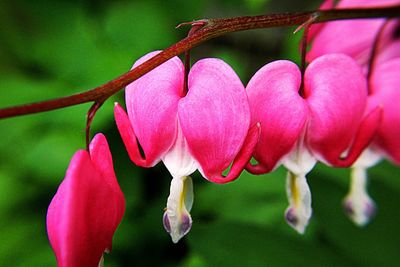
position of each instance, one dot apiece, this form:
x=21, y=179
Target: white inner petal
x=358, y=204
x=178, y=159
x=299, y=211
x=101, y=262
x=179, y=204
x=368, y=158
x=299, y=161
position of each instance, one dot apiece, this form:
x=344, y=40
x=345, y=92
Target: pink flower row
x=343, y=111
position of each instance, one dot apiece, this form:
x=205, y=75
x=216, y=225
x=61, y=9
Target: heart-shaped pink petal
x=336, y=92
x=385, y=81
x=152, y=104
x=276, y=104
x=214, y=115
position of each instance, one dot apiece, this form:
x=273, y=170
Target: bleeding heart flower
x=354, y=38
x=87, y=208
x=385, y=83
x=325, y=124
x=357, y=39
x=207, y=129
x=386, y=144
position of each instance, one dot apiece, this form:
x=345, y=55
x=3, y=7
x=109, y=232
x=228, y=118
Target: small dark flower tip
x=291, y=217
x=166, y=223
x=348, y=208
x=370, y=210
x=185, y=225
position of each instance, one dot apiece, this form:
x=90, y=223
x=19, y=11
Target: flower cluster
x=342, y=112
x=375, y=45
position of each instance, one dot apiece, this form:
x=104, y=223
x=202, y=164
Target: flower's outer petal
x=86, y=210
x=101, y=158
x=351, y=37
x=275, y=103
x=391, y=51
x=385, y=81
x=214, y=115
x=177, y=220
x=315, y=28
x=152, y=103
x=336, y=92
x=389, y=42
x=241, y=160
x=128, y=136
x=364, y=136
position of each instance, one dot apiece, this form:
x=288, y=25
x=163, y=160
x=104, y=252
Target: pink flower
x=326, y=124
x=385, y=87
x=354, y=38
x=207, y=129
x=357, y=37
x=87, y=208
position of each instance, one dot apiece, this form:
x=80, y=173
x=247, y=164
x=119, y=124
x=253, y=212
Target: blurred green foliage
x=55, y=48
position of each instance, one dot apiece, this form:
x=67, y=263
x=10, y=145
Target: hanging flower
x=354, y=38
x=326, y=124
x=87, y=208
x=207, y=129
x=357, y=39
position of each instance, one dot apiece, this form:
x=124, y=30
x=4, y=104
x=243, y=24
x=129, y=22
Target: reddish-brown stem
x=303, y=48
x=374, y=53
x=89, y=118
x=197, y=25
x=212, y=29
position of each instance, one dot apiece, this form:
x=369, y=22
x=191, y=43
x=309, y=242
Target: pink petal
x=152, y=104
x=364, y=136
x=336, y=92
x=86, y=210
x=315, y=28
x=214, y=115
x=275, y=103
x=128, y=137
x=242, y=158
x=365, y=3
x=386, y=81
x=390, y=51
x=356, y=39
x=101, y=158
x=351, y=37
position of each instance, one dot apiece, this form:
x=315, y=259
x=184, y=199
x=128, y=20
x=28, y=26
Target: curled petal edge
x=128, y=137
x=365, y=133
x=258, y=168
x=241, y=159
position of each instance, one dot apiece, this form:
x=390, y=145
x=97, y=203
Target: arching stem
x=89, y=118
x=212, y=28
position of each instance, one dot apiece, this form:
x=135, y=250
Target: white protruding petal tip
x=176, y=219
x=360, y=209
x=101, y=262
x=299, y=211
x=182, y=229
x=358, y=205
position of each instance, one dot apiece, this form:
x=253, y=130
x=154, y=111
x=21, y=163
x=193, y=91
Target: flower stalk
x=212, y=29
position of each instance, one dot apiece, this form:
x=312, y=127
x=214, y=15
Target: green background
x=56, y=48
